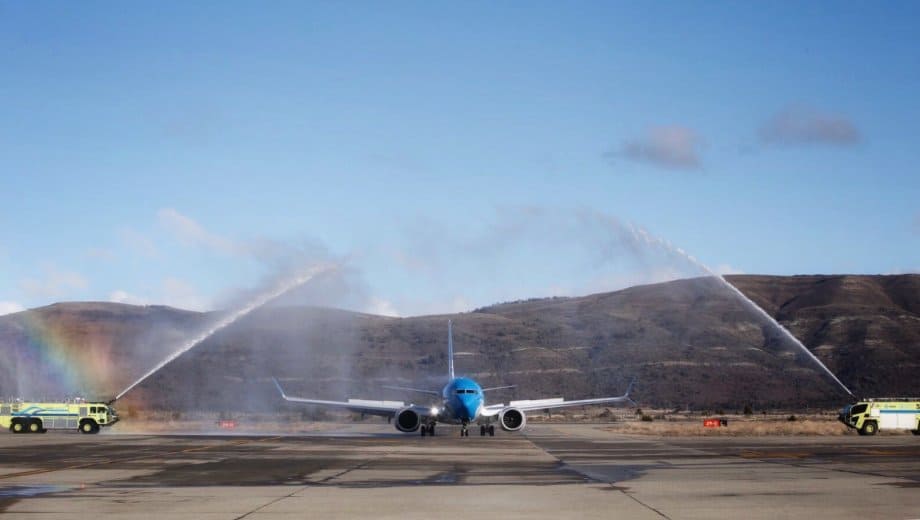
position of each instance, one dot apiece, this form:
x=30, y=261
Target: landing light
x=434, y=411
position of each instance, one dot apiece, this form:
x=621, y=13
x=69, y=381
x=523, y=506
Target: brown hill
x=688, y=342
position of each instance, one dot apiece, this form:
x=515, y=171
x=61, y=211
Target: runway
x=372, y=471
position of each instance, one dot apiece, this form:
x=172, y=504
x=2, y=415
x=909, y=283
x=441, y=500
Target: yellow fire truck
x=25, y=417
x=872, y=415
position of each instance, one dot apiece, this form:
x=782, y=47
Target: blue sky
x=449, y=155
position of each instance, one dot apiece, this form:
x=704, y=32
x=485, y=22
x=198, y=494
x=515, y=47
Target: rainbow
x=56, y=357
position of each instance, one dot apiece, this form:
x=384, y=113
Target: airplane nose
x=469, y=406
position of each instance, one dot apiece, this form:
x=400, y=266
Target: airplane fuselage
x=462, y=401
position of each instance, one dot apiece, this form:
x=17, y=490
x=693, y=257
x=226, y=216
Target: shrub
x=792, y=418
x=647, y=418
x=748, y=410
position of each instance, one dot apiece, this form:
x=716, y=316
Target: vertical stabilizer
x=450, y=350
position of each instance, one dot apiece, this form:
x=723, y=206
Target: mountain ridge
x=689, y=342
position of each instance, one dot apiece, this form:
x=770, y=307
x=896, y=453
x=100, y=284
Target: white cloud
x=806, y=125
x=99, y=253
x=120, y=296
x=725, y=269
x=616, y=282
x=54, y=283
x=172, y=292
x=10, y=308
x=673, y=147
x=181, y=294
x=899, y=271
x=381, y=307
x=450, y=305
x=190, y=232
x=139, y=243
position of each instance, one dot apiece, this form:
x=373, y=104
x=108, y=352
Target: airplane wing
x=384, y=408
x=498, y=388
x=408, y=389
x=557, y=402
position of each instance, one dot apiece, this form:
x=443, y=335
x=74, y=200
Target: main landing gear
x=490, y=429
x=427, y=430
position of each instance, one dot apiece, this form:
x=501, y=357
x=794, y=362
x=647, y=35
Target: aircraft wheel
x=431, y=430
x=491, y=430
x=422, y=430
x=482, y=431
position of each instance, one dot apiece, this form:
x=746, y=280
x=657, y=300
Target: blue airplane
x=462, y=402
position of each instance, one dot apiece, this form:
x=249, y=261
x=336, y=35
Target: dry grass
x=664, y=424
x=683, y=424
x=737, y=427
x=171, y=422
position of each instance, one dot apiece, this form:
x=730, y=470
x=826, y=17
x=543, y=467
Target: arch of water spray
x=278, y=290
x=643, y=236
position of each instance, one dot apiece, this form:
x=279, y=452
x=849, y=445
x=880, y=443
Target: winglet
x=628, y=390
x=280, y=390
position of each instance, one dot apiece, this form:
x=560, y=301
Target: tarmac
x=548, y=471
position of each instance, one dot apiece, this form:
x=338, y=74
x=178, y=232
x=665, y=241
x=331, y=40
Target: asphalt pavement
x=550, y=471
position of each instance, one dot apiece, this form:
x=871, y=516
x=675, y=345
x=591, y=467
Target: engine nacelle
x=512, y=419
x=407, y=420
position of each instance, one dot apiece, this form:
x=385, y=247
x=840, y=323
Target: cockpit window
x=465, y=391
x=459, y=391
x=470, y=391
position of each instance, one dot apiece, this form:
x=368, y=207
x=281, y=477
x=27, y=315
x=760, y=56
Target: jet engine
x=512, y=419
x=407, y=420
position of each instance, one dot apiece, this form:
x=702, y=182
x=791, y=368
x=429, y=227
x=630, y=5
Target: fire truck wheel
x=870, y=428
x=916, y=432
x=18, y=427
x=35, y=426
x=89, y=427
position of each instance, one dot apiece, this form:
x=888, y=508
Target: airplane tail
x=450, y=351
